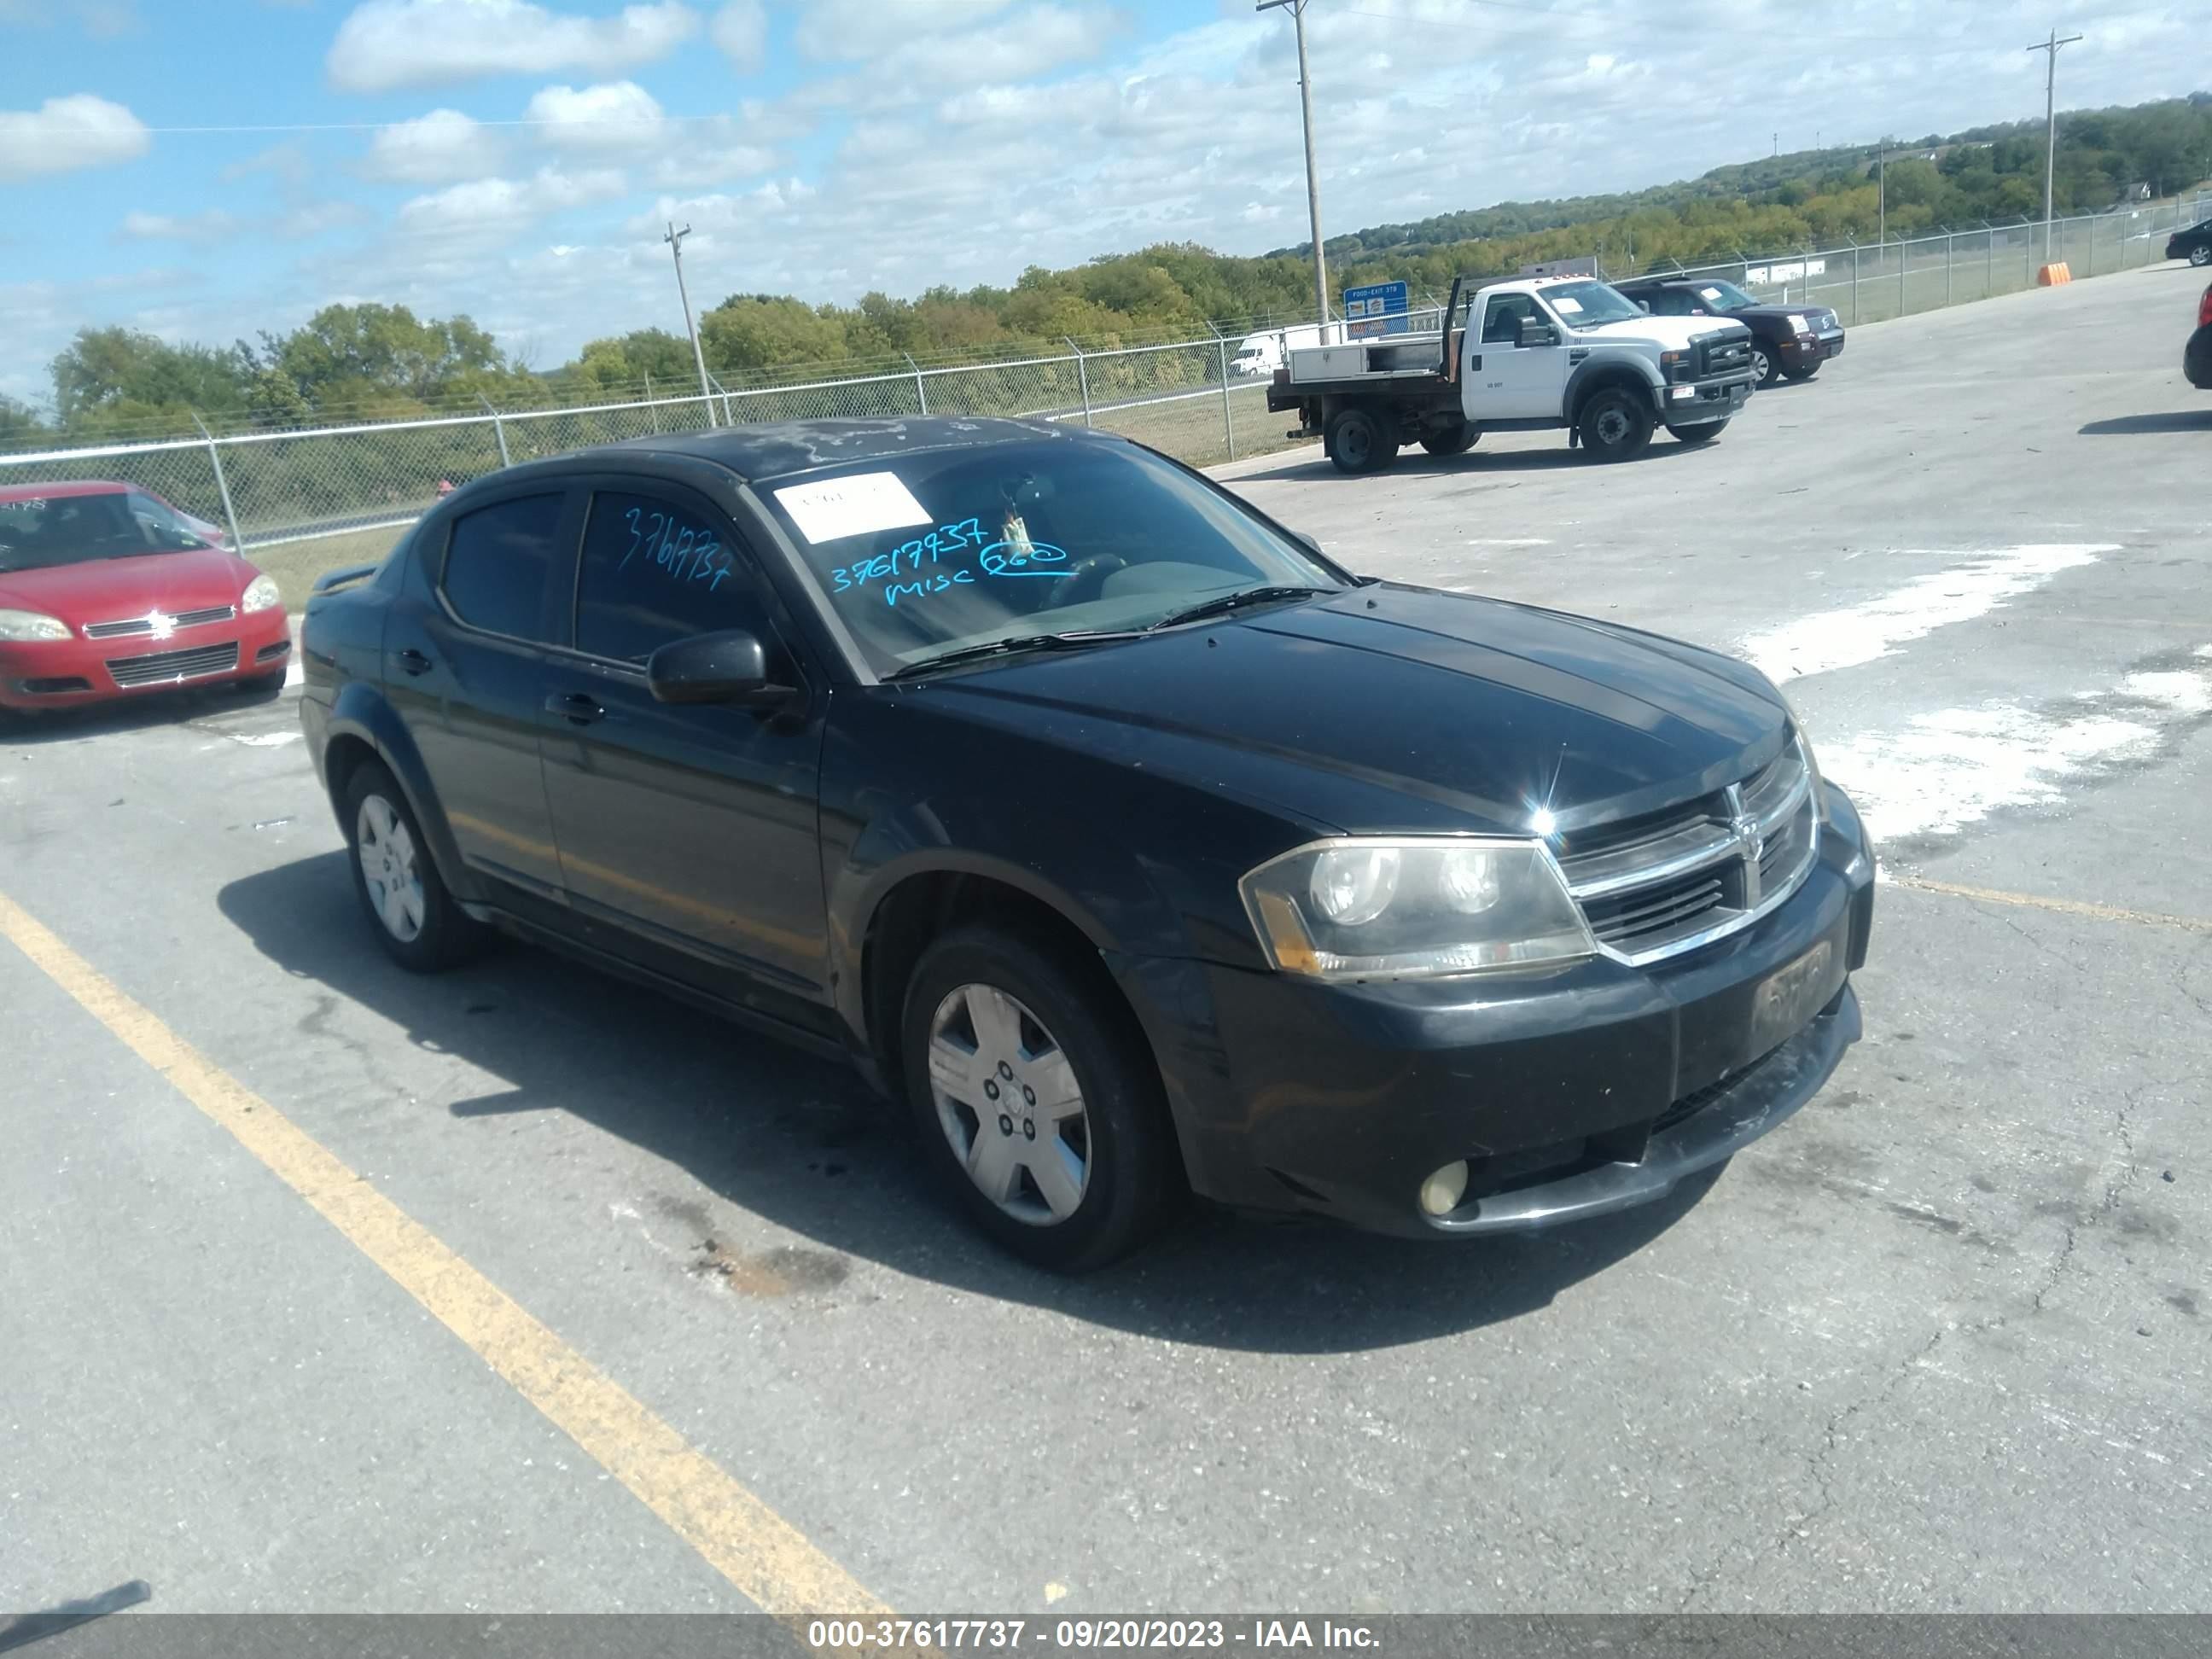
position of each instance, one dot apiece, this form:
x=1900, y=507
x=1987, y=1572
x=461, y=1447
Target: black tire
x=1452, y=440
x=1765, y=365
x=1804, y=372
x=1357, y=443
x=1615, y=424
x=1131, y=1173
x=444, y=936
x=1699, y=434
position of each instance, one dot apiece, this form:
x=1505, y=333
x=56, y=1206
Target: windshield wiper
x=1221, y=605
x=1072, y=641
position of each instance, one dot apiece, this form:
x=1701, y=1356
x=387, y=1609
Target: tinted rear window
x=498, y=560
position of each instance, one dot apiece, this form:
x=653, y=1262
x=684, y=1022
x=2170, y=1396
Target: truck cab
x=1538, y=353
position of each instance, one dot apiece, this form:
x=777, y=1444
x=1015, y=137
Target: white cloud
x=739, y=31
x=388, y=44
x=487, y=210
x=906, y=65
x=436, y=148
x=618, y=117
x=63, y=134
x=211, y=226
x=315, y=218
x=844, y=30
x=286, y=162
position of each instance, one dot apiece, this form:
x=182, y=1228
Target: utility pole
x=674, y=241
x=1881, y=191
x=2049, y=123
x=1313, y=180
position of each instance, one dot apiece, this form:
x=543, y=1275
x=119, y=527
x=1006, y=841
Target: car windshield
x=1724, y=296
x=1590, y=305
x=40, y=531
x=925, y=554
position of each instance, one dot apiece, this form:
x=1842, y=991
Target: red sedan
x=107, y=591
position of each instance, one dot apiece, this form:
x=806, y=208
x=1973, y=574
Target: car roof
x=787, y=446
x=47, y=492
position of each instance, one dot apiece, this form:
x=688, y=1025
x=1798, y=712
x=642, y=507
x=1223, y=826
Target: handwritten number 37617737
x=678, y=552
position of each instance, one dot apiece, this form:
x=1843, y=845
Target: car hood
x=1775, y=313
x=1391, y=707
x=108, y=590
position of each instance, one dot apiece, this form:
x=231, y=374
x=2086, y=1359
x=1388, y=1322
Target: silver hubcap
x=387, y=851
x=1007, y=1100
x=1612, y=427
x=1760, y=365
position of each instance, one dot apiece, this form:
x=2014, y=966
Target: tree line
x=361, y=362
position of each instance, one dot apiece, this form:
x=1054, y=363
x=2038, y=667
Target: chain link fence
x=274, y=488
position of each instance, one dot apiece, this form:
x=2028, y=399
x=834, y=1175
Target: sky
x=209, y=169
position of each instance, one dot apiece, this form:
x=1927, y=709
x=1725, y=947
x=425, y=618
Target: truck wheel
x=1452, y=440
x=1699, y=434
x=1766, y=366
x=1806, y=372
x=1615, y=424
x=1356, y=442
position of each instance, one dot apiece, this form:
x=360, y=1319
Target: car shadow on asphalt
x=801, y=1142
x=2172, y=420
x=139, y=714
x=1473, y=463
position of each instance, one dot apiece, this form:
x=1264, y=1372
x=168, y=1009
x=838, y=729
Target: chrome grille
x=1668, y=881
x=134, y=627
x=165, y=667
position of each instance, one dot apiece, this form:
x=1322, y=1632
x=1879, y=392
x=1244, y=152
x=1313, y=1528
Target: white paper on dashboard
x=1567, y=303
x=857, y=504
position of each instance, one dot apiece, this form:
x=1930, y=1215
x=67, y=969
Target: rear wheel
x=1451, y=440
x=1615, y=424
x=1357, y=443
x=415, y=919
x=2201, y=254
x=1699, y=434
x=1036, y=1099
x=1766, y=366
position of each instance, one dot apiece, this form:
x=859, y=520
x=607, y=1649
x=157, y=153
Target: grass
x=296, y=564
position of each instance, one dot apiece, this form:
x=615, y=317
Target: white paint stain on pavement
x=1861, y=633
x=264, y=739
x=1942, y=771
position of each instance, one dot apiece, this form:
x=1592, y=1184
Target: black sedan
x=1128, y=840
x=1787, y=341
x=2193, y=243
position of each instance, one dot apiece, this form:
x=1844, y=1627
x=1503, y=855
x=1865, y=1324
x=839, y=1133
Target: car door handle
x=577, y=707
x=412, y=661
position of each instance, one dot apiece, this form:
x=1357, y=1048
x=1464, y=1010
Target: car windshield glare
x=923, y=555
x=1590, y=305
x=40, y=531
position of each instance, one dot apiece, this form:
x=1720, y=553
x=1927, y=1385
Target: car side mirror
x=1535, y=332
x=1644, y=306
x=729, y=668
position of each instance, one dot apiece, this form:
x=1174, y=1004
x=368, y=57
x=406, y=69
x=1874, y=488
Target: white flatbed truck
x=1532, y=354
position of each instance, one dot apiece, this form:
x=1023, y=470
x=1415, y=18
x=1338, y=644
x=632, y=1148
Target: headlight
x=1798, y=325
x=261, y=594
x=31, y=625
x=1812, y=762
x=1417, y=908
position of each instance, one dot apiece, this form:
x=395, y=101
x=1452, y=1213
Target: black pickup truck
x=1788, y=342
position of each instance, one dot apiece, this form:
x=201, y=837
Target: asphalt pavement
x=1941, y=1344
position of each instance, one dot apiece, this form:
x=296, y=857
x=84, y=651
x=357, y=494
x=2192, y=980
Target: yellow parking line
x=2064, y=907
x=768, y=1558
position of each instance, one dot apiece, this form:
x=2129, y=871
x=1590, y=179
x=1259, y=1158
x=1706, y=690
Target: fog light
x=1442, y=1192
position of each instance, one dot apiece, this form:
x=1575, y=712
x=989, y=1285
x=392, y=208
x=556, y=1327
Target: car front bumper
x=1801, y=350
x=1695, y=403
x=64, y=673
x=1588, y=1090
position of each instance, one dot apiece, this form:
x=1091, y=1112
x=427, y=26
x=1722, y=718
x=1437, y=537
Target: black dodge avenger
x=1131, y=843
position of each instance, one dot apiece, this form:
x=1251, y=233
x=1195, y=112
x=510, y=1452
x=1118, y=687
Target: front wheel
x=1452, y=439
x=1766, y=365
x=2201, y=255
x=1805, y=372
x=415, y=919
x=1615, y=424
x=1036, y=1099
x=1357, y=443
x=1699, y=434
